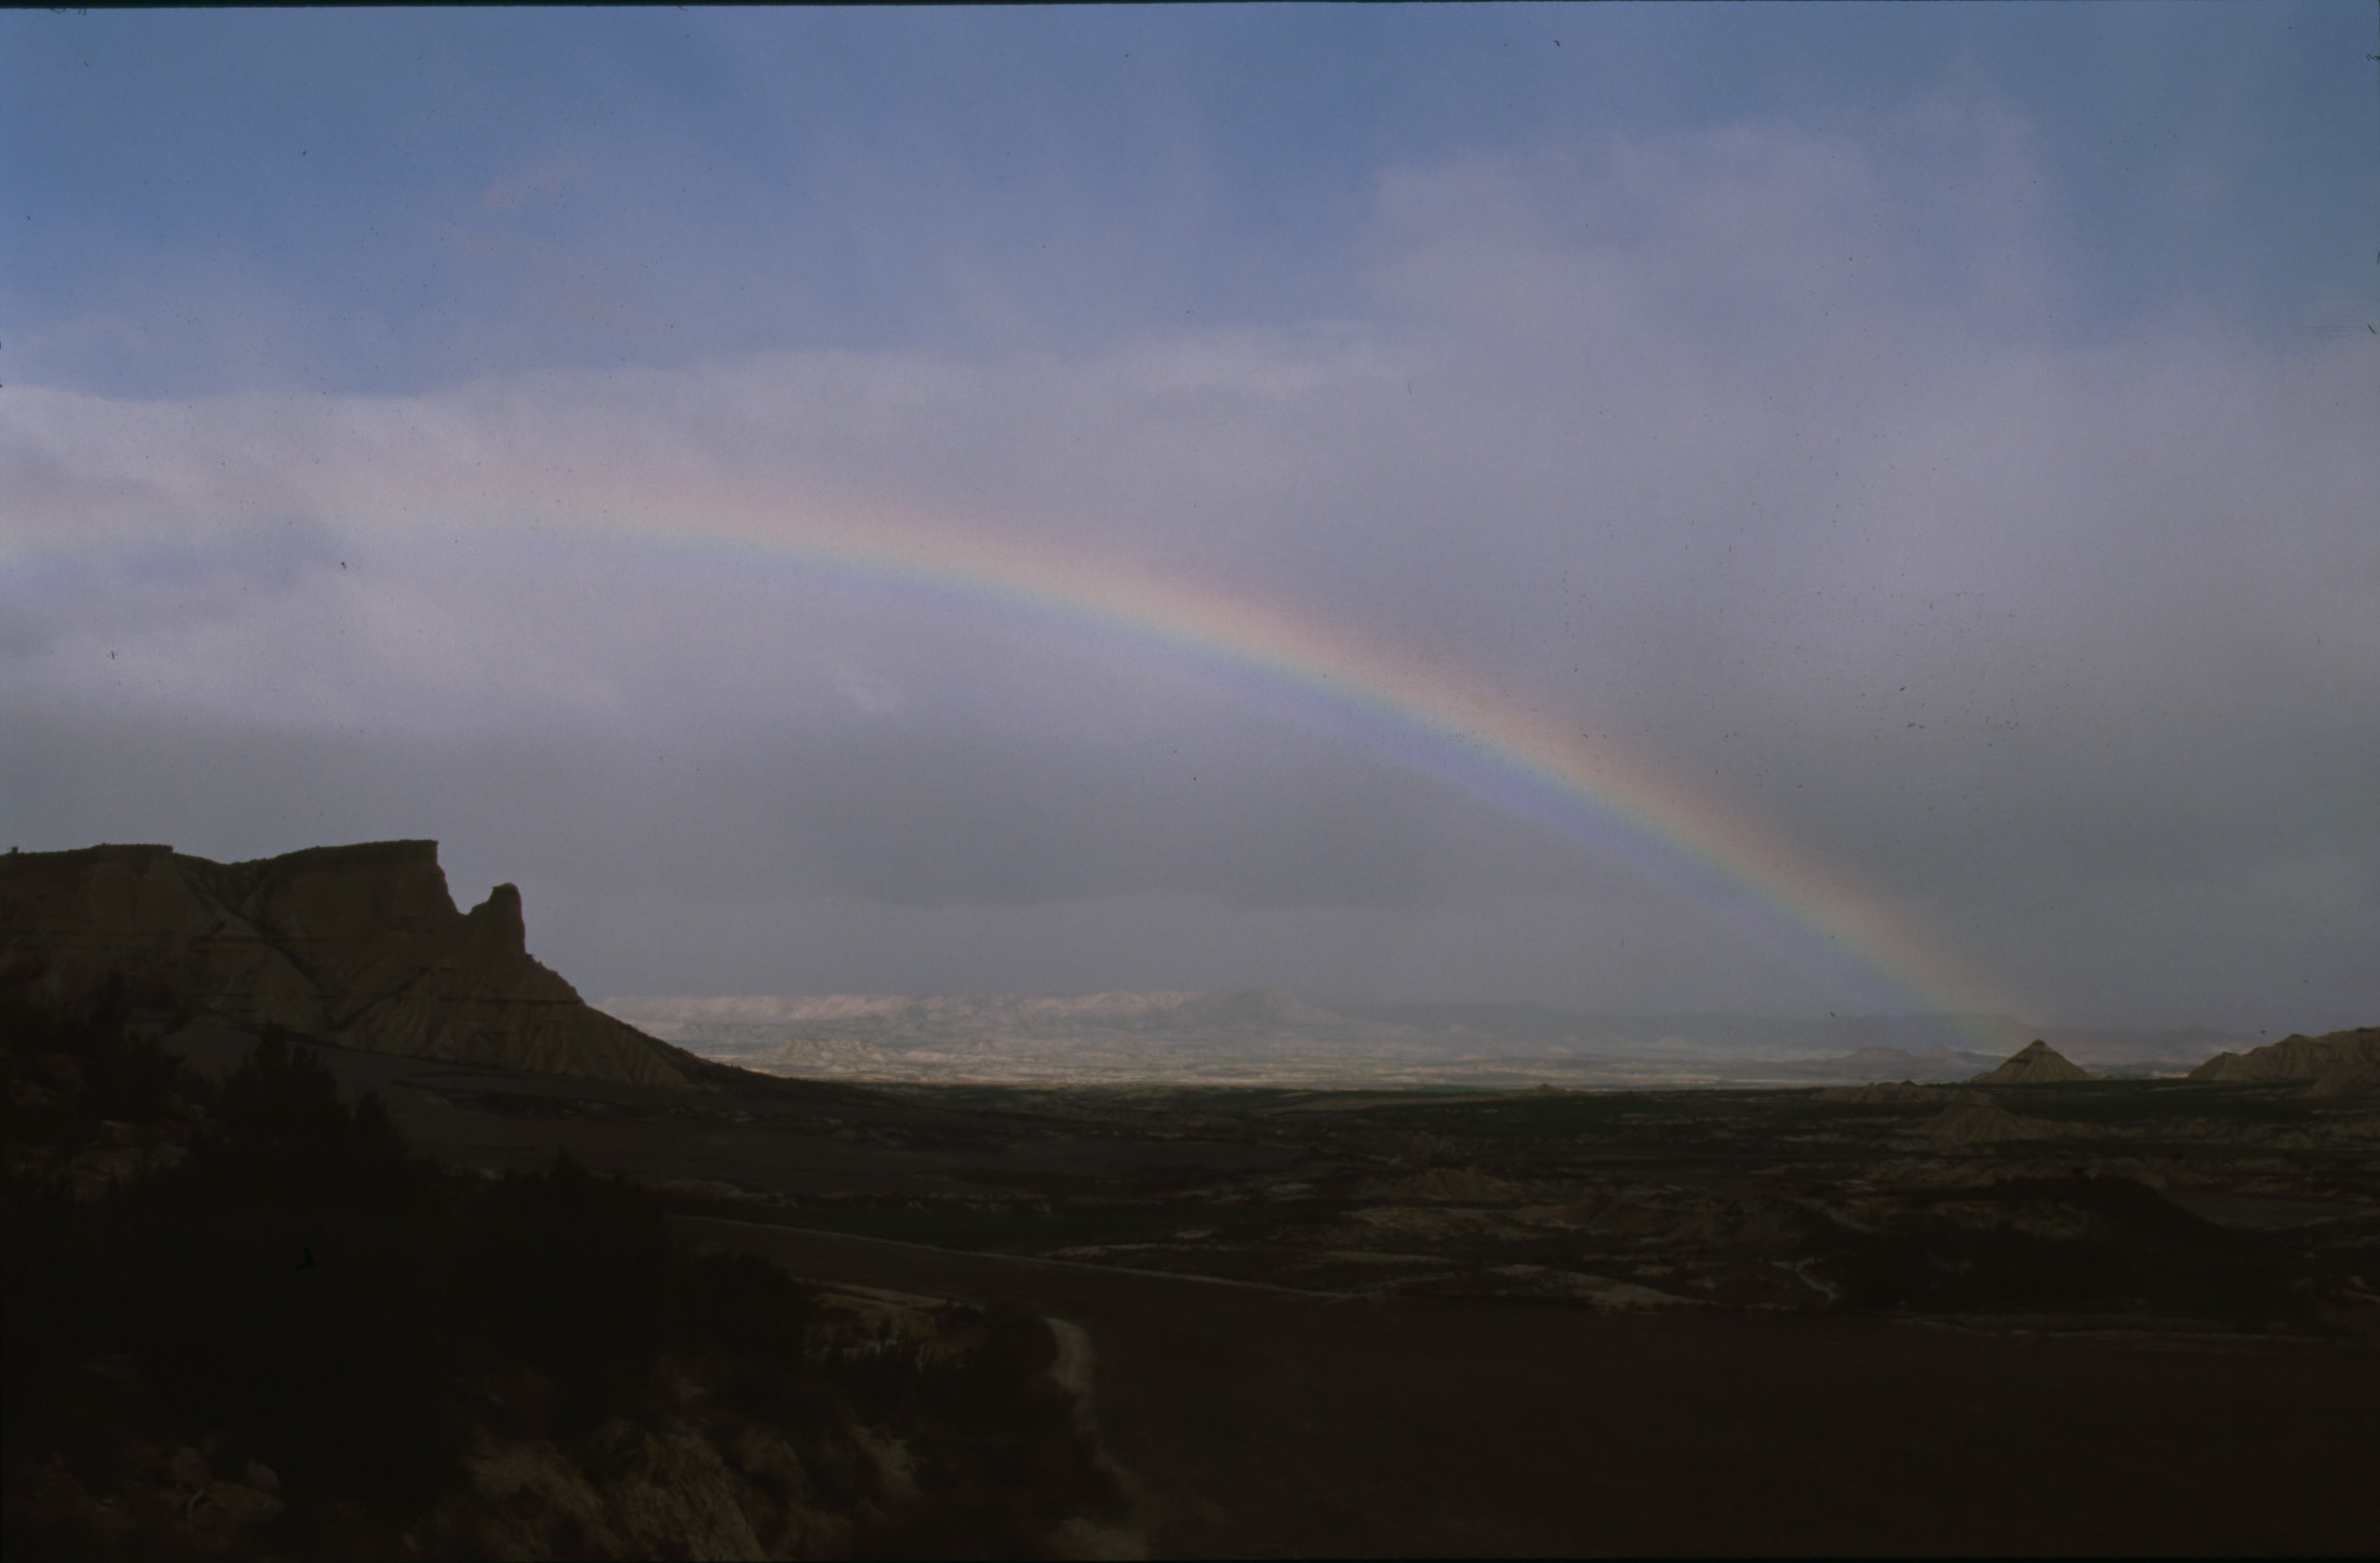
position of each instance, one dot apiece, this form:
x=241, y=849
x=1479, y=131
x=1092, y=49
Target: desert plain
x=2032, y=1308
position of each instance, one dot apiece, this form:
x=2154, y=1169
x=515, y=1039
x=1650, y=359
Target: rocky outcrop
x=2360, y=1084
x=1979, y=1120
x=361, y=946
x=2344, y=1063
x=2035, y=1064
x=667, y=1492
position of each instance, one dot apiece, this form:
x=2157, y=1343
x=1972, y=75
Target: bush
x=306, y=1290
x=2141, y=1251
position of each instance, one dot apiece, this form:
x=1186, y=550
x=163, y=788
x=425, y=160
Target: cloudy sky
x=1938, y=436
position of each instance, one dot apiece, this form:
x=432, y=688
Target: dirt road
x=1277, y=1425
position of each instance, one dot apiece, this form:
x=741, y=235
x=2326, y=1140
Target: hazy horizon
x=865, y=502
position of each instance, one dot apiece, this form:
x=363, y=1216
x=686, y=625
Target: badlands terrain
x=2039, y=1310
x=1260, y=1036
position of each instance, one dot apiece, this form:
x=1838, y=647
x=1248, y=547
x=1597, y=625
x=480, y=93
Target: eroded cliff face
x=2344, y=1063
x=361, y=946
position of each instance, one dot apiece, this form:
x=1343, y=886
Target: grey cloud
x=1733, y=447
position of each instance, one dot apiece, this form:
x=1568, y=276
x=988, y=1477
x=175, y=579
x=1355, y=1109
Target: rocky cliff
x=2343, y=1063
x=361, y=946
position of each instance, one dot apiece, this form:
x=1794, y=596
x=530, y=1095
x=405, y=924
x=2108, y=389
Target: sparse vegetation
x=2076, y=1244
x=246, y=1317
x=295, y=1301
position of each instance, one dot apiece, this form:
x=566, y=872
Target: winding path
x=1270, y=1422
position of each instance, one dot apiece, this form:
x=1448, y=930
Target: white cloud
x=1745, y=446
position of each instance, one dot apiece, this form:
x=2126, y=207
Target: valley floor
x=2123, y=1316
x=1272, y=1424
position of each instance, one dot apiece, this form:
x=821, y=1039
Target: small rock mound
x=2355, y=1083
x=1979, y=1120
x=2036, y=1064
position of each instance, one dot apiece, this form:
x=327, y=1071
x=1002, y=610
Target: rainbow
x=1432, y=722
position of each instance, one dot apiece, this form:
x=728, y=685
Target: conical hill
x=2035, y=1064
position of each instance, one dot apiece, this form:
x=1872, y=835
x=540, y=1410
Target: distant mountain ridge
x=805, y=1027
x=1893, y=1063
x=359, y=945
x=1241, y=1012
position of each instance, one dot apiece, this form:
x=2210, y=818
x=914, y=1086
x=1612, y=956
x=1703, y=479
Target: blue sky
x=1941, y=429
x=400, y=200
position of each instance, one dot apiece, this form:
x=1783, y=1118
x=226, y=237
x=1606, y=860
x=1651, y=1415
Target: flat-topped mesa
x=2035, y=1064
x=361, y=946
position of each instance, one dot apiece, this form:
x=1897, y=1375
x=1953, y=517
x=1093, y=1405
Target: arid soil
x=246, y=1320
x=276, y=1316
x=1272, y=1423
x=2130, y=1206
x=2106, y=1317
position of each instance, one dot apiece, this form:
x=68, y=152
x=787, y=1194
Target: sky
x=1057, y=500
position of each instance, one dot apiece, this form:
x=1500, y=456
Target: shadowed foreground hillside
x=270, y=1296
x=243, y=1319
